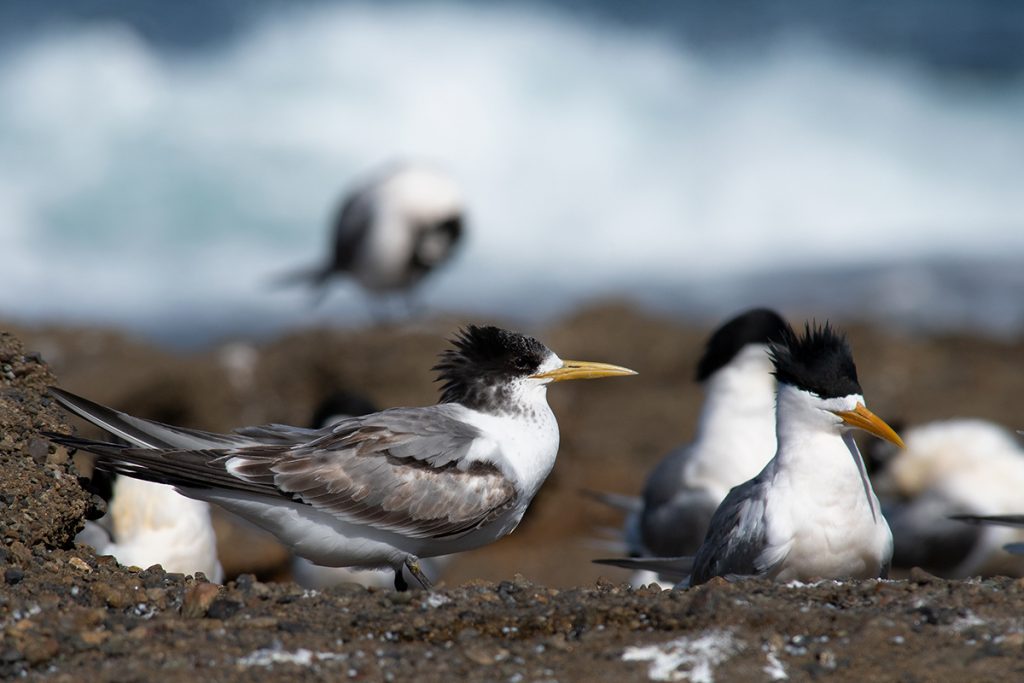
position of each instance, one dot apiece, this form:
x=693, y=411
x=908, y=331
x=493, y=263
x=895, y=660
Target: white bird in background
x=148, y=523
x=393, y=229
x=811, y=512
x=734, y=440
x=954, y=467
x=381, y=490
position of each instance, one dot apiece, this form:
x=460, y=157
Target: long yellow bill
x=862, y=418
x=582, y=369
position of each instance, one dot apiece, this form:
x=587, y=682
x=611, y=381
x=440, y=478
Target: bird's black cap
x=756, y=326
x=483, y=360
x=819, y=361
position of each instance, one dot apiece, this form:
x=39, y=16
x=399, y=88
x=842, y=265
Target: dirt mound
x=41, y=501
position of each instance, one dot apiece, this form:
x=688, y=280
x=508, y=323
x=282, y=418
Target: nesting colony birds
x=380, y=490
x=811, y=512
x=954, y=468
x=393, y=229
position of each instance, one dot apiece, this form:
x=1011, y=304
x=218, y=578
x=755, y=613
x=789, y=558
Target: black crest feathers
x=756, y=326
x=819, y=361
x=482, y=359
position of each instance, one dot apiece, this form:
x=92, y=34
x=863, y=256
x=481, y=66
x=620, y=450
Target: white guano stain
x=686, y=659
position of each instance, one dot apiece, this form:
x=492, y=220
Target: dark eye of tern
x=523, y=363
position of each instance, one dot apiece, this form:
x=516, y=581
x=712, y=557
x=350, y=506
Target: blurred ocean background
x=161, y=163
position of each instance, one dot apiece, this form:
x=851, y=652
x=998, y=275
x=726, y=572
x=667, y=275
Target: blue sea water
x=160, y=162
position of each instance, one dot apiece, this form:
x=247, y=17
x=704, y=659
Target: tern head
x=756, y=327
x=489, y=368
x=819, y=364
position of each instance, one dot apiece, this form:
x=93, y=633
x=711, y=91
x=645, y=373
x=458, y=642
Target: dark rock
x=13, y=575
x=222, y=608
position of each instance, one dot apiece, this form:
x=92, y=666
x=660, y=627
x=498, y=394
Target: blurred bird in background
x=148, y=523
x=734, y=440
x=962, y=467
x=393, y=229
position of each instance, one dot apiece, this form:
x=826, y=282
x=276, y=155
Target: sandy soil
x=526, y=608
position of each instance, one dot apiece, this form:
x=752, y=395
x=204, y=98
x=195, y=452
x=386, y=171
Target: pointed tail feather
x=1001, y=520
x=619, y=501
x=144, y=433
x=675, y=569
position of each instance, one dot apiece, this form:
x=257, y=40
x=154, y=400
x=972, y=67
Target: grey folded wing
x=737, y=537
x=403, y=470
x=679, y=525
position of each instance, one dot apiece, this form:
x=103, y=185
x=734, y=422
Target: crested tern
x=380, y=490
x=735, y=438
x=393, y=229
x=811, y=512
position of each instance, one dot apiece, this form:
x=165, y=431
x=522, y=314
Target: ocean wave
x=144, y=185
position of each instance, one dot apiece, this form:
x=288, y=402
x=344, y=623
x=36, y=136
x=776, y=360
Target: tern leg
x=400, y=584
x=413, y=565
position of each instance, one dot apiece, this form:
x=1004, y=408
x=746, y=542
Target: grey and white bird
x=393, y=229
x=1015, y=521
x=811, y=512
x=971, y=469
x=734, y=439
x=380, y=490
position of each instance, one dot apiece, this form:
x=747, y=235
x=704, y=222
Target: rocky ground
x=528, y=608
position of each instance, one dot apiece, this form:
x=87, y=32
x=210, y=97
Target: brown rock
x=198, y=600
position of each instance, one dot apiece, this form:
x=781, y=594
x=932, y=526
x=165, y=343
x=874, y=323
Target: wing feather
x=405, y=470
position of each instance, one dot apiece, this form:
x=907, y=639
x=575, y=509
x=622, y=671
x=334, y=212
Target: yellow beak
x=862, y=418
x=582, y=369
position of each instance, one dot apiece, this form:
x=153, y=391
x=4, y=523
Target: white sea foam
x=165, y=189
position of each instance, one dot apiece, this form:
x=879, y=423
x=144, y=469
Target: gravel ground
x=66, y=614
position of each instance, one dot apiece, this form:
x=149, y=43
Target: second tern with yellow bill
x=379, y=490
x=811, y=513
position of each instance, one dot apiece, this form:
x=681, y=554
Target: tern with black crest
x=379, y=490
x=735, y=438
x=811, y=512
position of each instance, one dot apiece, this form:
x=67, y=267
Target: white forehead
x=803, y=397
x=421, y=192
x=552, y=362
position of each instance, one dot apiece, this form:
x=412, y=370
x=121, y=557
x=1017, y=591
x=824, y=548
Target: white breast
x=823, y=519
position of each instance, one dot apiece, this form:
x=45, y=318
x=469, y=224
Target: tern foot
x=413, y=565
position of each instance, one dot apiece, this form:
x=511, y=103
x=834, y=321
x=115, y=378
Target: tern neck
x=740, y=395
x=813, y=448
x=736, y=432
